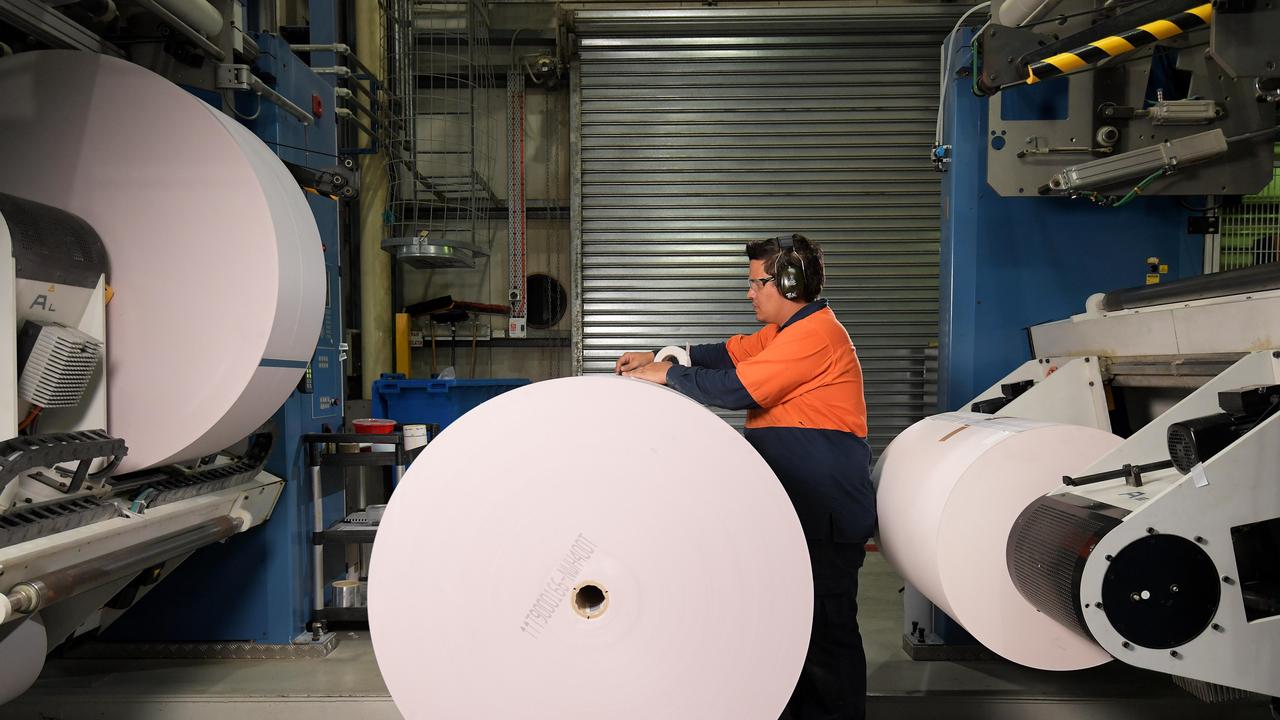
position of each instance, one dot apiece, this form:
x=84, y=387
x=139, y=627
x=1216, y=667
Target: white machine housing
x=80, y=569
x=77, y=551
x=32, y=299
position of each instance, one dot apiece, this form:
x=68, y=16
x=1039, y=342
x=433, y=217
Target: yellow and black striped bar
x=1114, y=45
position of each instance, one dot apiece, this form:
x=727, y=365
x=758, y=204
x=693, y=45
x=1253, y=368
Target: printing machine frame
x=1170, y=568
x=79, y=546
x=73, y=560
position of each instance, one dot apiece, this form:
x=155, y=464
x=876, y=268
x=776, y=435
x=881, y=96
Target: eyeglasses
x=759, y=282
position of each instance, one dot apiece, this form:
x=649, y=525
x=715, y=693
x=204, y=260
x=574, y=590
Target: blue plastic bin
x=434, y=402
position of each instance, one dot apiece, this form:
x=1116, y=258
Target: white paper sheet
x=590, y=480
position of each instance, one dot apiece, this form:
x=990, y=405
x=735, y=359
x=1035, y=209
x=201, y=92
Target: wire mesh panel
x=439, y=143
x=1249, y=231
x=517, y=236
x=694, y=140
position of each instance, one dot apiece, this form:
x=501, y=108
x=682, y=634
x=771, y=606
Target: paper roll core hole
x=590, y=600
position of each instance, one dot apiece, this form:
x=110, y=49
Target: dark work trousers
x=833, y=682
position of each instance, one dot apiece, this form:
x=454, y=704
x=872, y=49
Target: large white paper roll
x=214, y=255
x=23, y=645
x=590, y=547
x=949, y=489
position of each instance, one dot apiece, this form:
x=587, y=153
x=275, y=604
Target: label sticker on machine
x=1197, y=475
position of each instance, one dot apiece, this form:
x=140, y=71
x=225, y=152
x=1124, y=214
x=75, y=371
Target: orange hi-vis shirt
x=803, y=375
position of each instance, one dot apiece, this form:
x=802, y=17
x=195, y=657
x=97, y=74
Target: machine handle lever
x=1133, y=474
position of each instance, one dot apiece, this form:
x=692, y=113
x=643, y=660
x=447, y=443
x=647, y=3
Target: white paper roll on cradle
x=214, y=254
x=949, y=489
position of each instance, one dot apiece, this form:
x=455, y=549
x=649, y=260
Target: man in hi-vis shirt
x=800, y=381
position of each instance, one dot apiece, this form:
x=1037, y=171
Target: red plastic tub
x=374, y=426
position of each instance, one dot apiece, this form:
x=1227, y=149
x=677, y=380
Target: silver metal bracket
x=1168, y=156
x=238, y=77
x=232, y=77
x=335, y=70
x=1184, y=112
x=46, y=23
x=941, y=156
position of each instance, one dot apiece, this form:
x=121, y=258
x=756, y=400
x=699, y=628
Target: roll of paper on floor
x=347, y=593
x=672, y=353
x=415, y=436
x=605, y=583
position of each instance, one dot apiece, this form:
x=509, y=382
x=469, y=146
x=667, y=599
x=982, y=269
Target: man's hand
x=654, y=372
x=632, y=361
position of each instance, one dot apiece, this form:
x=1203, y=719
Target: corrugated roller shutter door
x=690, y=146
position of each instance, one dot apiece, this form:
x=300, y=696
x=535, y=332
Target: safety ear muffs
x=788, y=276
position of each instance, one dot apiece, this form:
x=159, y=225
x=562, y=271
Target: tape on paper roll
x=948, y=490
x=672, y=353
x=658, y=571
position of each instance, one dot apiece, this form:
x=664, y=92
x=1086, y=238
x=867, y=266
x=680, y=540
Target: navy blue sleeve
x=712, y=355
x=710, y=386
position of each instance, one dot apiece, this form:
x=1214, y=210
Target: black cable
x=1254, y=135
x=1095, y=11
x=108, y=468
x=295, y=147
x=105, y=471
x=1268, y=413
x=136, y=40
x=1188, y=206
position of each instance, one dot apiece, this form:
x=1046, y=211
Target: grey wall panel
x=693, y=137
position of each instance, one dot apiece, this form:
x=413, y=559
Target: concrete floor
x=346, y=684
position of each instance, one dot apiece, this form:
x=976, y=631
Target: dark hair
x=807, y=252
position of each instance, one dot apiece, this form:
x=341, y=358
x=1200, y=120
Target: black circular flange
x=1161, y=591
